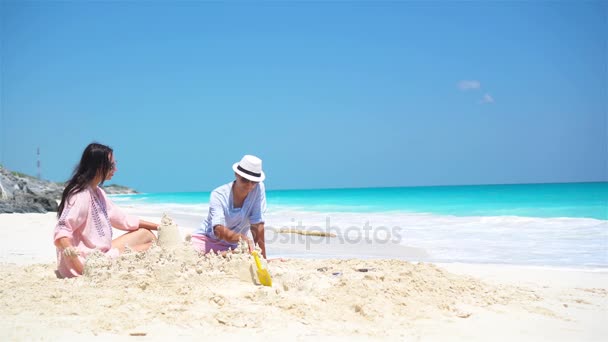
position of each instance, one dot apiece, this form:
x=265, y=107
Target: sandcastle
x=168, y=234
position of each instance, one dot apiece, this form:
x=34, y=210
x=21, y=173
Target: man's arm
x=257, y=230
x=223, y=233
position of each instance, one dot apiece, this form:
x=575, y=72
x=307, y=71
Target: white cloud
x=487, y=98
x=465, y=85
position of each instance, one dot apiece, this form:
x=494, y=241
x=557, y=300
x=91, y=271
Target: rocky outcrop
x=20, y=193
x=114, y=189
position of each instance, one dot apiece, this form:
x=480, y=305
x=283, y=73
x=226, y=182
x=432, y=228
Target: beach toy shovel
x=263, y=274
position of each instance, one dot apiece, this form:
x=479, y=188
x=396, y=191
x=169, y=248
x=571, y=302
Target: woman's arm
x=118, y=218
x=148, y=225
x=70, y=223
x=70, y=253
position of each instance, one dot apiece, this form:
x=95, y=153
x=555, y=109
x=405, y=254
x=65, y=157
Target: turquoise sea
x=563, y=225
x=589, y=200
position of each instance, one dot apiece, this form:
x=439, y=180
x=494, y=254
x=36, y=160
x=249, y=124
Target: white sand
x=174, y=293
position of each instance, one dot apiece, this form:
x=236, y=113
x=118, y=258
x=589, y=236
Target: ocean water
x=531, y=224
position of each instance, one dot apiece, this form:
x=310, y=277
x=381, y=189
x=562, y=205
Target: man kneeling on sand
x=235, y=209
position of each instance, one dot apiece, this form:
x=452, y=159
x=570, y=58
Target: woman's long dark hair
x=95, y=160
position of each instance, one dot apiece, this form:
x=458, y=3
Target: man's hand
x=250, y=243
x=226, y=234
x=257, y=230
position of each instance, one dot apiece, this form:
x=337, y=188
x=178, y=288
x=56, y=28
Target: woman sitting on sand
x=235, y=209
x=86, y=215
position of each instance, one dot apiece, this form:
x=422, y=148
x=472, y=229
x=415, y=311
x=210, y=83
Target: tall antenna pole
x=38, y=157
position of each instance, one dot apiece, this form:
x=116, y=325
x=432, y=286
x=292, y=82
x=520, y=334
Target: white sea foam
x=498, y=239
x=474, y=239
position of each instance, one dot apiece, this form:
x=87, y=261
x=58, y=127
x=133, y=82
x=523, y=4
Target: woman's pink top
x=87, y=219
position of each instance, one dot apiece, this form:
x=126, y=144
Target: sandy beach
x=412, y=170
x=174, y=293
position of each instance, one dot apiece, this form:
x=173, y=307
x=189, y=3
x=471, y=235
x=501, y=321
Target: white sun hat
x=250, y=167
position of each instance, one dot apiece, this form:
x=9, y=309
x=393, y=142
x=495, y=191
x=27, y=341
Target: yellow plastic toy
x=263, y=274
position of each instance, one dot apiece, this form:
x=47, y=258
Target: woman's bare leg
x=137, y=240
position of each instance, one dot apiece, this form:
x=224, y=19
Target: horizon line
x=382, y=187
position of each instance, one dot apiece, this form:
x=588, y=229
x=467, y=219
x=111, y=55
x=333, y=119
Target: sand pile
x=168, y=233
x=178, y=286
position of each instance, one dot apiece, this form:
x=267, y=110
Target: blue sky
x=340, y=94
